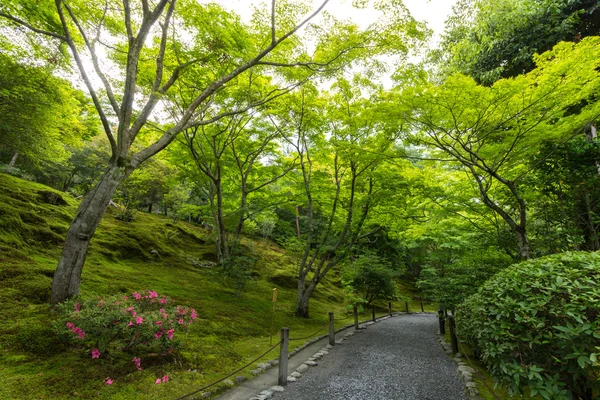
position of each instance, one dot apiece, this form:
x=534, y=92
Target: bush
x=536, y=325
x=142, y=324
x=368, y=278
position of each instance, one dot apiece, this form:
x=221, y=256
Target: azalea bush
x=141, y=324
x=537, y=326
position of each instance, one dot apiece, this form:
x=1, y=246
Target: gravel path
x=398, y=358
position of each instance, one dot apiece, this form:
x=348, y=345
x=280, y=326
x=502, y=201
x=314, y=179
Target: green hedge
x=536, y=325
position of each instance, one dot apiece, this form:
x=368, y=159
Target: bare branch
x=32, y=28
x=92, y=50
x=88, y=84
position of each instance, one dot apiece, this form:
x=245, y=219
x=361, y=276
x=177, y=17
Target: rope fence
x=309, y=336
x=231, y=374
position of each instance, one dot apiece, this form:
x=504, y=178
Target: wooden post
x=422, y=309
x=390, y=307
x=373, y=313
x=406, y=304
x=331, y=330
x=283, y=356
x=355, y=318
x=442, y=321
x=453, y=338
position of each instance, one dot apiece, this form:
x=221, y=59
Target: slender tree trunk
x=150, y=208
x=594, y=242
x=67, y=278
x=220, y=219
x=243, y=204
x=12, y=162
x=523, y=241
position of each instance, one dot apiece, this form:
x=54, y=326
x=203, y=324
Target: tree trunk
x=12, y=162
x=67, y=277
x=304, y=294
x=523, y=241
x=150, y=208
x=242, y=219
x=594, y=243
x=221, y=220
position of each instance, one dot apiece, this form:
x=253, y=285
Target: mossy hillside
x=230, y=332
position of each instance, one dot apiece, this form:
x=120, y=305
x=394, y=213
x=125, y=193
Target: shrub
x=536, y=325
x=368, y=278
x=141, y=324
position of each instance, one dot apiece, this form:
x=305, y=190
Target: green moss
x=230, y=330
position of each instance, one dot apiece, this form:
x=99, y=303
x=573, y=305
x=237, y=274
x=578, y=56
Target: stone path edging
x=464, y=371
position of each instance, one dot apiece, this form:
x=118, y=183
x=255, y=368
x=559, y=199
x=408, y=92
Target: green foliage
x=536, y=325
x=367, y=278
x=239, y=266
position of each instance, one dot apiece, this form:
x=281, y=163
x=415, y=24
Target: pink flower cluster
x=164, y=379
x=138, y=363
x=95, y=353
x=76, y=331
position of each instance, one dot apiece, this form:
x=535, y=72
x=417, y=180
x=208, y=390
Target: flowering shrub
x=141, y=323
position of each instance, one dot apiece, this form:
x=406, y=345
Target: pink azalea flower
x=152, y=295
x=165, y=379
x=95, y=353
x=130, y=323
x=194, y=315
x=133, y=314
x=139, y=320
x=158, y=335
x=138, y=363
x=170, y=333
x=77, y=330
x=157, y=381
x=158, y=322
x=109, y=381
x=81, y=335
x=136, y=295
x=180, y=321
x=129, y=309
x=163, y=301
x=77, y=307
x=125, y=298
x=70, y=325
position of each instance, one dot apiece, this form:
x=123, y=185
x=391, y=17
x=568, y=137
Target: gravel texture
x=398, y=358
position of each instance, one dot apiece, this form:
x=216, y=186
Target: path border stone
x=464, y=372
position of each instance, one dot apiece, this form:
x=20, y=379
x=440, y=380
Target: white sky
x=433, y=12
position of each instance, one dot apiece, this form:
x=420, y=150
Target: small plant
x=126, y=213
x=141, y=324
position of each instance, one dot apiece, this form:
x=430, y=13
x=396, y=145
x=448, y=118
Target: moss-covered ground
x=230, y=332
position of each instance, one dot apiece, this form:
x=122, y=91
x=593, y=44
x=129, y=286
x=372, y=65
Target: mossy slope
x=230, y=331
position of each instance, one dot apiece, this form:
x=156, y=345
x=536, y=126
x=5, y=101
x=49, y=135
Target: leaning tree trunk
x=67, y=277
x=12, y=162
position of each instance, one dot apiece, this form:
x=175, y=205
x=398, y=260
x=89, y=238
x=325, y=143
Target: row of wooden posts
x=452, y=326
x=285, y=339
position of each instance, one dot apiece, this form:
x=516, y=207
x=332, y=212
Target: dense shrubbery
x=140, y=324
x=536, y=325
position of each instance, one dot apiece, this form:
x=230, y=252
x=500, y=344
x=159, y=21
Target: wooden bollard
x=453, y=338
x=283, y=356
x=406, y=304
x=355, y=318
x=373, y=313
x=331, y=330
x=442, y=322
x=422, y=309
x=390, y=307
